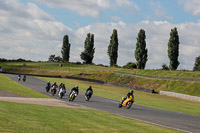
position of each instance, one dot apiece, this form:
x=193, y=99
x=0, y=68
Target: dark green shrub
x=130, y=65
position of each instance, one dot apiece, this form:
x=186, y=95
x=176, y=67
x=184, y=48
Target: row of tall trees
x=141, y=52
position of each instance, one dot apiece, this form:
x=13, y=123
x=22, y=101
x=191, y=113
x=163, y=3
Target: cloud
x=126, y=3
x=83, y=7
x=159, y=10
x=33, y=34
x=28, y=32
x=115, y=18
x=190, y=6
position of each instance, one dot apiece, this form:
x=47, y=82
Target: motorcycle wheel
x=73, y=97
x=128, y=105
x=61, y=95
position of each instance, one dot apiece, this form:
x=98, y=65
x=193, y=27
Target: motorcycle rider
x=61, y=86
x=24, y=78
x=54, y=84
x=48, y=83
x=89, y=89
x=128, y=95
x=74, y=89
x=19, y=77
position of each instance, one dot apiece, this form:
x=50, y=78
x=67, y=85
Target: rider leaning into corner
x=48, y=83
x=54, y=84
x=128, y=95
x=61, y=86
x=89, y=89
x=74, y=89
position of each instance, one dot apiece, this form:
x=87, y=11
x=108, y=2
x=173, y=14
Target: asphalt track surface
x=179, y=121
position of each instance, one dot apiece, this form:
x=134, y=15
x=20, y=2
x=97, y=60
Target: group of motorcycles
x=62, y=92
x=124, y=102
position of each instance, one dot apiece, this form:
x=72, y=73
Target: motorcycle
x=88, y=95
x=61, y=93
x=72, y=96
x=48, y=88
x=127, y=102
x=24, y=78
x=53, y=90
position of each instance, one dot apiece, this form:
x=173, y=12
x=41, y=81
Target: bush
x=78, y=62
x=100, y=65
x=165, y=67
x=130, y=65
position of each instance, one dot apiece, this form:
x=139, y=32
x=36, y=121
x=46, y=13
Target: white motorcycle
x=61, y=93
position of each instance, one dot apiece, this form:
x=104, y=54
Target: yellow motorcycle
x=72, y=96
x=127, y=102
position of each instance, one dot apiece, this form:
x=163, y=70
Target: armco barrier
x=184, y=96
x=114, y=84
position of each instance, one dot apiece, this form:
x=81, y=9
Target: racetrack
x=180, y=121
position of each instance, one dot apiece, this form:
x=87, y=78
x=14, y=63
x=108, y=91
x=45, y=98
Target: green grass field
x=142, y=98
x=11, y=86
x=18, y=118
x=185, y=82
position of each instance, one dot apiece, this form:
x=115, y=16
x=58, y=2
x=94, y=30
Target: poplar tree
x=141, y=50
x=113, y=48
x=88, y=54
x=197, y=64
x=173, y=49
x=65, y=48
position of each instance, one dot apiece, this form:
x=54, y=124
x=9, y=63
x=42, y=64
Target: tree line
x=141, y=52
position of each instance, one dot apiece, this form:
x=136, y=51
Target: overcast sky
x=34, y=29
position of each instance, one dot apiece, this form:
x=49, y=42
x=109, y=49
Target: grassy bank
x=142, y=98
x=6, y=84
x=84, y=68
x=173, y=84
x=38, y=118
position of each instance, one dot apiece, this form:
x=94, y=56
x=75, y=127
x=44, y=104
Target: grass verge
x=142, y=98
x=174, y=82
x=38, y=118
x=9, y=85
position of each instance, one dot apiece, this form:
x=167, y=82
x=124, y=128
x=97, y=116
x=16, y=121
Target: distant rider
x=24, y=78
x=74, y=89
x=48, y=83
x=61, y=86
x=54, y=85
x=89, y=89
x=19, y=77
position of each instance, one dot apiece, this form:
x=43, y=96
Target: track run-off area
x=174, y=120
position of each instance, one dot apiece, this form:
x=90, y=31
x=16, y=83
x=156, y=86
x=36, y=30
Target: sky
x=34, y=29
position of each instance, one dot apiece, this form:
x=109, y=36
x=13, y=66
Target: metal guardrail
x=184, y=96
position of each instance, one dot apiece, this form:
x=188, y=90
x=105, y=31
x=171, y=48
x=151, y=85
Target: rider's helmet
x=54, y=83
x=76, y=86
x=90, y=86
x=48, y=82
x=131, y=92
